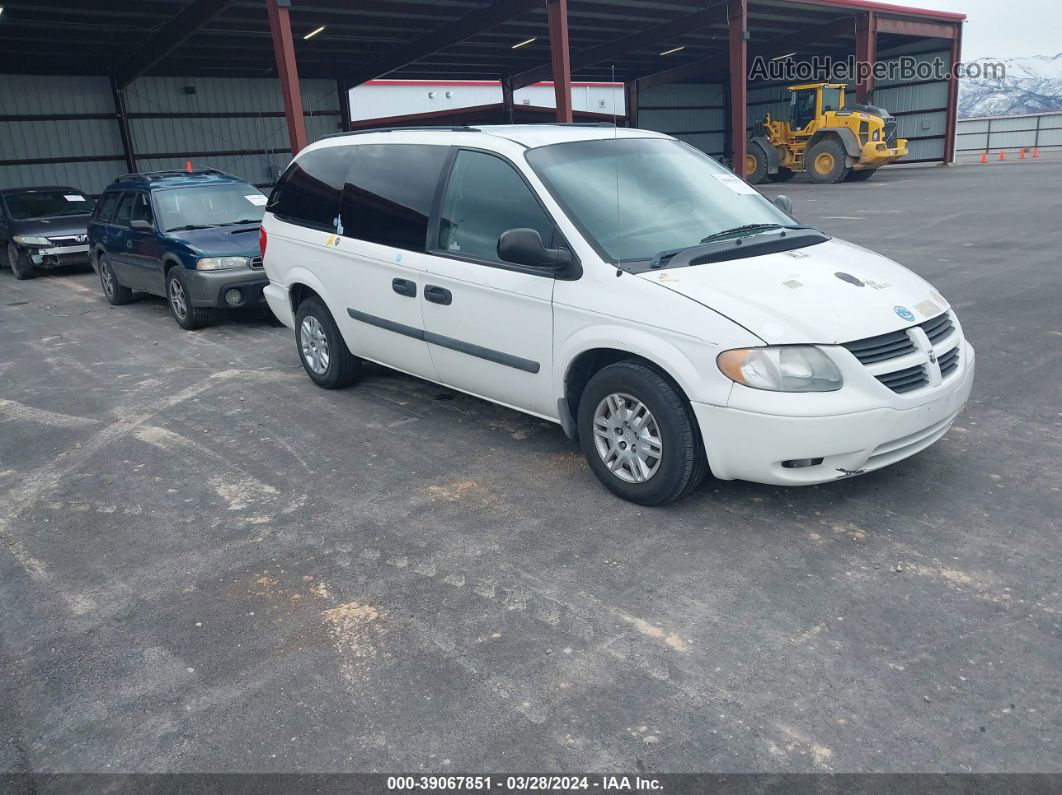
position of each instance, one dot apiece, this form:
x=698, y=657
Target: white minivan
x=619, y=283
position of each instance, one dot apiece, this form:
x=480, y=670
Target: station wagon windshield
x=209, y=205
x=636, y=197
x=47, y=204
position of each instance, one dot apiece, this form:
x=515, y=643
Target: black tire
x=342, y=367
x=19, y=262
x=831, y=149
x=783, y=175
x=861, y=176
x=755, y=164
x=681, y=465
x=178, y=299
x=114, y=292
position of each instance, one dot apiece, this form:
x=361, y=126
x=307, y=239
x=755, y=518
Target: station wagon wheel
x=638, y=434
x=113, y=291
x=627, y=438
x=188, y=316
x=322, y=350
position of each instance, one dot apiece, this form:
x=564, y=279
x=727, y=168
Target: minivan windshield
x=636, y=197
x=47, y=204
x=204, y=206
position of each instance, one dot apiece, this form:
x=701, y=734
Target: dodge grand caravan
x=619, y=283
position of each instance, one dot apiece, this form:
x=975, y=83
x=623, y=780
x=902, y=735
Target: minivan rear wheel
x=638, y=434
x=322, y=349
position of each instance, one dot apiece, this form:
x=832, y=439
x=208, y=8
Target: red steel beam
x=704, y=18
x=284, y=49
x=952, y=122
x=921, y=29
x=560, y=58
x=866, y=52
x=739, y=70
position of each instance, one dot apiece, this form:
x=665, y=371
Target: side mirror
x=525, y=247
x=141, y=224
x=784, y=203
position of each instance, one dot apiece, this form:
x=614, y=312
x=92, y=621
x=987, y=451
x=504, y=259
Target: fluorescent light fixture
x=783, y=57
x=676, y=49
x=1, y=11
x=524, y=43
x=313, y=33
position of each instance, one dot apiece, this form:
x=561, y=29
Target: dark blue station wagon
x=188, y=236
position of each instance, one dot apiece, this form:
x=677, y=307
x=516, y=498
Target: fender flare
x=770, y=150
x=301, y=275
x=847, y=138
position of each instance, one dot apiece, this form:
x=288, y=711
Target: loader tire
x=755, y=164
x=826, y=162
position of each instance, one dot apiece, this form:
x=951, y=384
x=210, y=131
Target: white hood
x=798, y=297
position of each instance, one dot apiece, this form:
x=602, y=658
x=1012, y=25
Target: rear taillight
x=263, y=239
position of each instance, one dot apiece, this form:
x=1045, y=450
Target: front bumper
x=57, y=256
x=208, y=288
x=877, y=154
x=746, y=445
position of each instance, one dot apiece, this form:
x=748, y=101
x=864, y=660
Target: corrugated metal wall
x=54, y=151
x=236, y=125
x=920, y=108
x=1040, y=130
x=694, y=113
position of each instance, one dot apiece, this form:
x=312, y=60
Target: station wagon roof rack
x=173, y=172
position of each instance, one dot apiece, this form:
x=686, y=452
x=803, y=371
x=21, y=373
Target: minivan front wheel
x=322, y=350
x=638, y=435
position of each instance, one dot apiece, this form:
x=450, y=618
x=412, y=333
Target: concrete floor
x=206, y=563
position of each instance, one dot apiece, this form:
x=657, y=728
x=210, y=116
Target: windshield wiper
x=242, y=221
x=737, y=230
x=189, y=227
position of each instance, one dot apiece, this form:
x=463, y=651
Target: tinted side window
x=125, y=209
x=105, y=209
x=389, y=193
x=308, y=192
x=485, y=197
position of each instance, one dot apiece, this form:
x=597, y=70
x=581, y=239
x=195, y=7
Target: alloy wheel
x=178, y=300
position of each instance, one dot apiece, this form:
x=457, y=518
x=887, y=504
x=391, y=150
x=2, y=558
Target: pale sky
x=1005, y=29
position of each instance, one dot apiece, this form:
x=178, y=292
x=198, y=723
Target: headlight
x=791, y=368
x=221, y=263
x=32, y=240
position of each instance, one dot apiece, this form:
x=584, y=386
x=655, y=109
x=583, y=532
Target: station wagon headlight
x=789, y=368
x=32, y=240
x=221, y=263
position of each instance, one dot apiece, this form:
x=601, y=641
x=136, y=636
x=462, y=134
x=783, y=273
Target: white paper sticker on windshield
x=257, y=199
x=735, y=183
x=73, y=198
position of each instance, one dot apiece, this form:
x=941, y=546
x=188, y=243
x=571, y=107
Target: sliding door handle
x=438, y=295
x=404, y=287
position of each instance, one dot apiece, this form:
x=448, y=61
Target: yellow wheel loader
x=826, y=138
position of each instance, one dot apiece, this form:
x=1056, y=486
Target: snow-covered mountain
x=1033, y=84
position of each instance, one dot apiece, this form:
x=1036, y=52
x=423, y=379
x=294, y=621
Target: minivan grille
x=256, y=262
x=949, y=362
x=938, y=328
x=878, y=349
x=905, y=380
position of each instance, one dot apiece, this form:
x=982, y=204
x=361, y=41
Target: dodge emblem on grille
x=932, y=357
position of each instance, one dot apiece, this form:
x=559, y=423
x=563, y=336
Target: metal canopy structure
x=644, y=43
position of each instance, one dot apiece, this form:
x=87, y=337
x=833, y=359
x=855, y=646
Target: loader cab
x=808, y=103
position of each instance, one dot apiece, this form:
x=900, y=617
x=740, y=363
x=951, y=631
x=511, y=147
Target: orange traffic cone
x=984, y=157
x=188, y=165
x=1036, y=152
x=1021, y=155
x=1002, y=154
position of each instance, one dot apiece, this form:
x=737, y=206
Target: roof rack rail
x=447, y=127
x=179, y=172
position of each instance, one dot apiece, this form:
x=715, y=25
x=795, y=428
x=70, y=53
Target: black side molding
x=491, y=355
